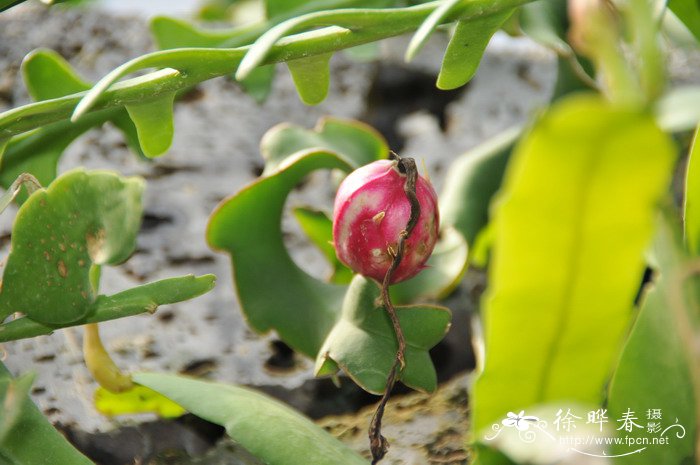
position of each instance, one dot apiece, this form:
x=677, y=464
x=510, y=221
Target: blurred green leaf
x=692, y=196
x=318, y=227
x=140, y=299
x=471, y=183
x=431, y=23
x=268, y=429
x=154, y=124
x=653, y=370
x=311, y=77
x=466, y=48
x=688, y=11
x=48, y=76
x=14, y=393
x=80, y=219
x=679, y=109
x=574, y=218
x=279, y=7
x=32, y=440
x=546, y=22
x=364, y=345
x=139, y=399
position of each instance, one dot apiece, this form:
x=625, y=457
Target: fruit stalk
x=378, y=443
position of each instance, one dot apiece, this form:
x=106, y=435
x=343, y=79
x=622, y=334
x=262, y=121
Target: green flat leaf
x=653, y=371
x=154, y=124
x=15, y=392
x=466, y=48
x=268, y=429
x=82, y=218
x=139, y=399
x=273, y=291
x=48, y=75
x=357, y=143
x=688, y=11
x=311, y=77
x=140, y=299
x=32, y=440
x=318, y=227
x=431, y=23
x=691, y=214
x=471, y=183
x=364, y=345
x=574, y=218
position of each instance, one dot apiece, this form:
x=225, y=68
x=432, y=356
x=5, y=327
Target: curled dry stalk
x=378, y=443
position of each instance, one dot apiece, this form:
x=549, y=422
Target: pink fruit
x=371, y=209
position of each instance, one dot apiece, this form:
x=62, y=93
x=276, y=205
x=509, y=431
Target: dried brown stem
x=378, y=443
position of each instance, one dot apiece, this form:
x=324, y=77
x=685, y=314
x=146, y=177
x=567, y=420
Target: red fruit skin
x=370, y=211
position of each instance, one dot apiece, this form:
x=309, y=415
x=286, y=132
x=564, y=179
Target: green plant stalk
x=640, y=16
x=194, y=65
x=141, y=299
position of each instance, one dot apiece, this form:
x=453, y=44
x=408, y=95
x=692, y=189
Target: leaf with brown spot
x=98, y=214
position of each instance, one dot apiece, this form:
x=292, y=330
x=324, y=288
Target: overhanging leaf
x=268, y=429
x=311, y=77
x=82, y=218
x=154, y=124
x=32, y=440
x=471, y=183
x=466, y=48
x=653, y=369
x=48, y=76
x=426, y=29
x=140, y=299
x=691, y=216
x=364, y=345
x=574, y=218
